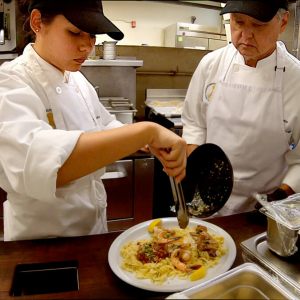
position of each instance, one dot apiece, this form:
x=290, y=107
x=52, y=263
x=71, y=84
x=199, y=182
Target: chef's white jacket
x=31, y=151
x=208, y=73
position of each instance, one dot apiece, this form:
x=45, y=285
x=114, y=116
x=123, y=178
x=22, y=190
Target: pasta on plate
x=172, y=253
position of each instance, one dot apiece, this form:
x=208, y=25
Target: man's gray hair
x=281, y=12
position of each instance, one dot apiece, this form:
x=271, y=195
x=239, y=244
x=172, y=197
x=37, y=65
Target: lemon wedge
x=200, y=273
x=154, y=223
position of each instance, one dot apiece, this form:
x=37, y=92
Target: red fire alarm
x=133, y=24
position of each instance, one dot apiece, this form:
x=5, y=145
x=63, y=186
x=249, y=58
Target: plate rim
x=160, y=288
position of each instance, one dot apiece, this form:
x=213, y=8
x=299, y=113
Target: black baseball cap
x=87, y=15
x=262, y=10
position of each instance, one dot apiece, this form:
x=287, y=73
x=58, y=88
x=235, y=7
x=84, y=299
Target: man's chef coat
x=31, y=151
x=202, y=87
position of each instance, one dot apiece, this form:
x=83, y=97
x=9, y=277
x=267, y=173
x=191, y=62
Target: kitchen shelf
x=113, y=63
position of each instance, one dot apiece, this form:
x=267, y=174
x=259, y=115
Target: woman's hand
x=145, y=149
x=170, y=149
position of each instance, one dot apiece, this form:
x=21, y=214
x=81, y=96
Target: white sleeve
x=194, y=125
x=31, y=152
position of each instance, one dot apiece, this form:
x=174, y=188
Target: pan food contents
x=197, y=205
x=185, y=254
x=217, y=183
x=208, y=182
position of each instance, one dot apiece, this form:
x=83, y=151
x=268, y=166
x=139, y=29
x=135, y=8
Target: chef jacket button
x=235, y=68
x=77, y=89
x=58, y=90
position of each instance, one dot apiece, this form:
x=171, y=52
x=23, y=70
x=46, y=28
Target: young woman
x=56, y=137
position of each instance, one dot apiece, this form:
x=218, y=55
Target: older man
x=245, y=98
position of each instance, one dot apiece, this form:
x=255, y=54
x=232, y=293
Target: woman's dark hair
x=47, y=14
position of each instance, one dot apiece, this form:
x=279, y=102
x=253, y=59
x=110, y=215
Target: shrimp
x=164, y=238
x=170, y=247
x=185, y=255
x=208, y=245
x=205, y=241
x=200, y=236
x=175, y=258
x=201, y=228
x=159, y=229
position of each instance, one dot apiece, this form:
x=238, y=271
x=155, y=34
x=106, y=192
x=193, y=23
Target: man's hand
x=190, y=149
x=283, y=192
x=288, y=190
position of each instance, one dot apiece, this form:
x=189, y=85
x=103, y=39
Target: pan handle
x=180, y=206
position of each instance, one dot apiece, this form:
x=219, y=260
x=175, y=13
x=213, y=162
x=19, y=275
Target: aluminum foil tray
x=284, y=270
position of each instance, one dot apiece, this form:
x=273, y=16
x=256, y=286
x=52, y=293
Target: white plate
x=140, y=231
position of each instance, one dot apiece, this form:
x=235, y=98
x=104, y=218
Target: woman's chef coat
x=229, y=62
x=35, y=98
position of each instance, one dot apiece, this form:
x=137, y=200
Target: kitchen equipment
x=12, y=38
x=164, y=106
x=283, y=223
x=140, y=231
x=45, y=278
x=209, y=180
x=180, y=205
x=109, y=50
x=5, y=26
x=195, y=36
x=129, y=188
x=274, y=240
x=2, y=28
x=207, y=185
x=121, y=107
x=284, y=269
x=247, y=281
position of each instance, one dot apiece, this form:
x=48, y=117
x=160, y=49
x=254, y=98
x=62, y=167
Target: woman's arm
x=96, y=150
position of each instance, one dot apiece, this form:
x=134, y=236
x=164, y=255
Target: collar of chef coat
x=261, y=64
x=261, y=76
x=54, y=76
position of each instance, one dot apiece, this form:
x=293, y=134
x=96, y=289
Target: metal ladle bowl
x=209, y=180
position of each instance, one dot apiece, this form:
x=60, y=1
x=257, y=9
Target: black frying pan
x=208, y=182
